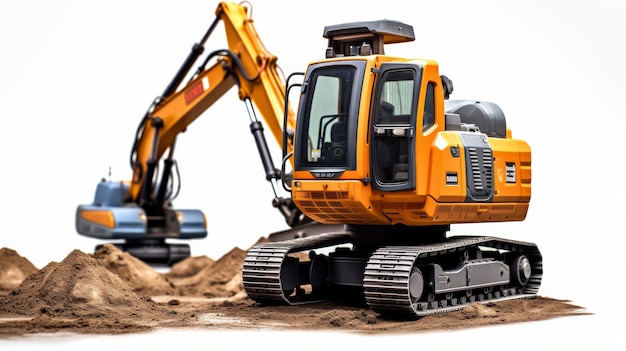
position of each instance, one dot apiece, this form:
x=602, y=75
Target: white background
x=77, y=76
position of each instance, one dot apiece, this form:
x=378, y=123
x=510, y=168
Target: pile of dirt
x=221, y=278
x=79, y=286
x=140, y=276
x=111, y=292
x=13, y=270
x=77, y=293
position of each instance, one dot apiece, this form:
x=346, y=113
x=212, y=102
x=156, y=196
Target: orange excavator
x=378, y=162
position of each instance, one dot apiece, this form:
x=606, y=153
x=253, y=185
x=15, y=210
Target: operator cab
x=330, y=105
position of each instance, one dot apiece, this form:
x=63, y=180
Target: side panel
x=512, y=170
x=447, y=171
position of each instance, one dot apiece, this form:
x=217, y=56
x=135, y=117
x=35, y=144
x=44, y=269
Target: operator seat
x=393, y=157
x=386, y=112
x=338, y=132
x=336, y=148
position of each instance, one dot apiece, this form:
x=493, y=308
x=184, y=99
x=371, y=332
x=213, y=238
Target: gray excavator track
x=404, y=280
x=388, y=277
x=262, y=277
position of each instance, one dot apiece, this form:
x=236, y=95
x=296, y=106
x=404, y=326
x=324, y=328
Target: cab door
x=393, y=127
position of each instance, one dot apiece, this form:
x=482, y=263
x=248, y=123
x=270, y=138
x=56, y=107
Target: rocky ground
x=112, y=292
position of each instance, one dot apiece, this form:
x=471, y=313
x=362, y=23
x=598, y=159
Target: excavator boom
x=246, y=64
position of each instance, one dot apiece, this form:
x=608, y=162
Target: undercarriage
x=410, y=273
x=154, y=251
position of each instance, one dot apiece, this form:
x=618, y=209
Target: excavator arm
x=246, y=63
x=140, y=211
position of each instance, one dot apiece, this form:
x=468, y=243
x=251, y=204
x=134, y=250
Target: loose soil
x=112, y=292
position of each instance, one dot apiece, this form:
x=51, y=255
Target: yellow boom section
x=258, y=80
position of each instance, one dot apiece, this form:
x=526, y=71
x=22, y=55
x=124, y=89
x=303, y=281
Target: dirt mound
x=221, y=278
x=143, y=278
x=13, y=270
x=189, y=267
x=79, y=286
x=191, y=277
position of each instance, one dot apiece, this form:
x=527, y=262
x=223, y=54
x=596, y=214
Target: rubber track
x=386, y=278
x=261, y=267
